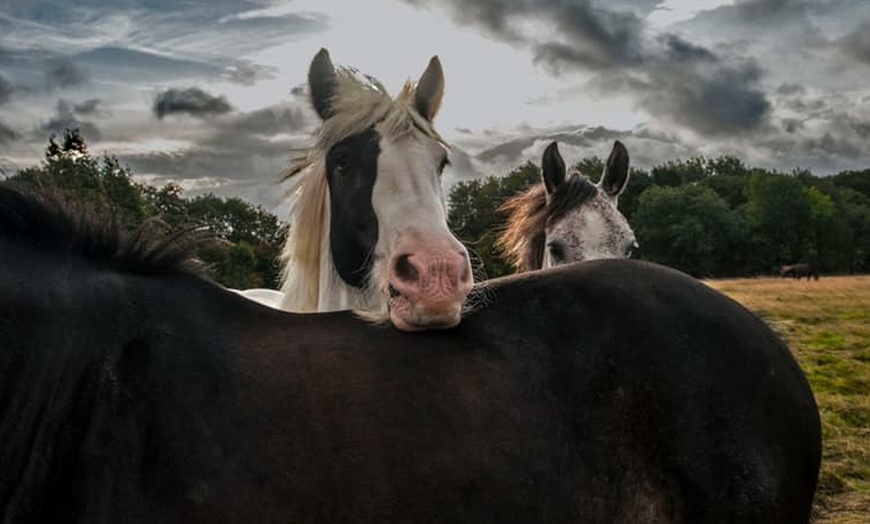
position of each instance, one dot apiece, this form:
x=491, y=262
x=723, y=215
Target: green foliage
x=779, y=217
x=249, y=238
x=856, y=180
x=474, y=218
x=689, y=227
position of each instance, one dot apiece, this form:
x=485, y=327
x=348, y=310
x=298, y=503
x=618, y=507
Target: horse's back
x=604, y=392
x=669, y=375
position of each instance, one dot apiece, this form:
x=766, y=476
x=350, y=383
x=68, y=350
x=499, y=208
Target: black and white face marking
x=391, y=254
x=351, y=172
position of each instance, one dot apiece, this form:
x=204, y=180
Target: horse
x=565, y=220
x=133, y=389
x=797, y=271
x=369, y=228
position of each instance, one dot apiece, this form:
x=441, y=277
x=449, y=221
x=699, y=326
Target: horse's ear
x=430, y=90
x=615, y=176
x=552, y=169
x=322, y=83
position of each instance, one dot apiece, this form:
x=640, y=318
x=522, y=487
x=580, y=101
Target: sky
x=211, y=94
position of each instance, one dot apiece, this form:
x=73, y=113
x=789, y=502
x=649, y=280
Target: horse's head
x=382, y=161
x=584, y=222
x=568, y=219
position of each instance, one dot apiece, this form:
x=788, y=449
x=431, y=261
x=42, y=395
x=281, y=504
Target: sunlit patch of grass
x=827, y=325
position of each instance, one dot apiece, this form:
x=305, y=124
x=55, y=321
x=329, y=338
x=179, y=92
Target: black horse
x=798, y=271
x=133, y=390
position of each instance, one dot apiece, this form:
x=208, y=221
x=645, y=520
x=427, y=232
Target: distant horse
x=369, y=229
x=132, y=390
x=798, y=271
x=568, y=220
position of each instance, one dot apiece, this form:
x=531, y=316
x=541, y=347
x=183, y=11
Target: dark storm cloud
x=5, y=90
x=7, y=134
x=89, y=107
x=747, y=17
x=790, y=89
x=670, y=77
x=511, y=152
x=762, y=10
x=61, y=72
x=192, y=101
x=857, y=43
x=722, y=99
x=241, y=146
x=65, y=118
x=270, y=121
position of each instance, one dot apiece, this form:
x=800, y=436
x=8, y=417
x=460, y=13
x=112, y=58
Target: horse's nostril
x=405, y=270
x=394, y=293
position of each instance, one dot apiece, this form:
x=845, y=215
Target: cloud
x=7, y=134
x=193, y=101
x=273, y=120
x=89, y=107
x=247, y=73
x=241, y=146
x=65, y=118
x=710, y=99
x=857, y=43
x=668, y=77
x=61, y=72
x=5, y=90
x=822, y=131
x=514, y=151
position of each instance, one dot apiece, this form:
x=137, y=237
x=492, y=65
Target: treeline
x=708, y=217
x=246, y=240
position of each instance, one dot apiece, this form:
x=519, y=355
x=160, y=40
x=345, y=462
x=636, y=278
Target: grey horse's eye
x=557, y=251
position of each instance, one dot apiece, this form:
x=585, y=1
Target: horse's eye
x=444, y=163
x=340, y=162
x=557, y=251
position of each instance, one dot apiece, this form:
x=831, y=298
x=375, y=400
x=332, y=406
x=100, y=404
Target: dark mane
x=47, y=222
x=529, y=213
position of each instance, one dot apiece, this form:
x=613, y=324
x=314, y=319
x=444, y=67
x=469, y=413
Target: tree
x=250, y=237
x=102, y=185
x=779, y=219
x=689, y=228
x=679, y=172
x=474, y=219
x=856, y=180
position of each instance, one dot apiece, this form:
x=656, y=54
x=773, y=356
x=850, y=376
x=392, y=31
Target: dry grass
x=827, y=325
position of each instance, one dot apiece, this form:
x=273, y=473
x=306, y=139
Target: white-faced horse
x=568, y=219
x=369, y=229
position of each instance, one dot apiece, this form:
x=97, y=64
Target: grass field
x=827, y=325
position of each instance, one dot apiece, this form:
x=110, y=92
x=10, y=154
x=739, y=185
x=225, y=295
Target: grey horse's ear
x=615, y=176
x=552, y=169
x=322, y=83
x=430, y=90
